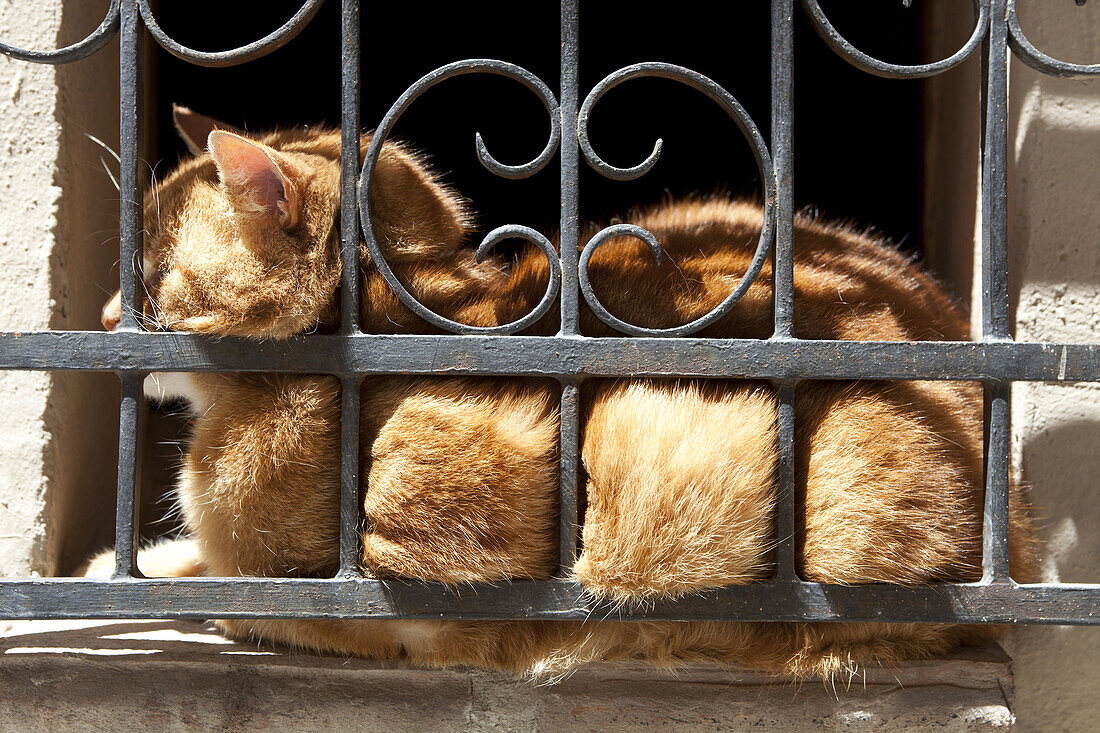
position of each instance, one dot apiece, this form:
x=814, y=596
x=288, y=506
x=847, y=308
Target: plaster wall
x=29, y=143
x=58, y=240
x=1054, y=249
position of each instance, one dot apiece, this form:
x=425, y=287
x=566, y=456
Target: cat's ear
x=258, y=180
x=194, y=128
x=418, y=215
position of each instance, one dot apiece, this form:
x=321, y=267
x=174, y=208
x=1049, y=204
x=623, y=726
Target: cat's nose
x=112, y=312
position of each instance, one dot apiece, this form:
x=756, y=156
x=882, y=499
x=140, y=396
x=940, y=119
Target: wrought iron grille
x=994, y=359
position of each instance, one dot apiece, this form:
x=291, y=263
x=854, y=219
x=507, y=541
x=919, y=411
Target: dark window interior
x=857, y=138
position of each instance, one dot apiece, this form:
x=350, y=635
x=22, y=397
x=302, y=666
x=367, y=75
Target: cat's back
x=848, y=284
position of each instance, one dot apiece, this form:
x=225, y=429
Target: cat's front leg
x=259, y=488
x=164, y=387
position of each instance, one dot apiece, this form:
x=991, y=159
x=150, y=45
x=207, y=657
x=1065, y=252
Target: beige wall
x=1054, y=221
x=29, y=144
x=58, y=240
x=1055, y=238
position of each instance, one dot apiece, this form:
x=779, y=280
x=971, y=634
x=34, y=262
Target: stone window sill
x=181, y=675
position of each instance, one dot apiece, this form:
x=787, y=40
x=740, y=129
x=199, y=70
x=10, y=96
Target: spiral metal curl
x=94, y=41
x=733, y=108
x=843, y=47
x=1036, y=59
x=249, y=52
x=370, y=161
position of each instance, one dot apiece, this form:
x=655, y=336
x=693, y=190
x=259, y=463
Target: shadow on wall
x=1055, y=285
x=82, y=416
x=1055, y=666
x=1056, y=292
x=1064, y=465
x=1054, y=266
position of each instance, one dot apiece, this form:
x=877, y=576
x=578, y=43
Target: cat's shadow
x=1062, y=464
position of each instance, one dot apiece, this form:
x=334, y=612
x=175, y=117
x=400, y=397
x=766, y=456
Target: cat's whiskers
x=113, y=231
x=261, y=541
x=114, y=181
x=103, y=145
x=112, y=238
x=100, y=143
x=154, y=187
x=143, y=319
x=174, y=509
x=140, y=317
x=157, y=313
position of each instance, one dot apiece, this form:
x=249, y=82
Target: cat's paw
x=100, y=566
x=166, y=558
x=171, y=558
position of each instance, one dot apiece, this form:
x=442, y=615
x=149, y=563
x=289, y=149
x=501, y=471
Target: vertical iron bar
x=127, y=503
x=786, y=548
x=783, y=275
x=569, y=449
x=349, y=168
x=349, y=475
x=131, y=411
x=995, y=326
x=349, y=285
x=569, y=438
x=998, y=399
x=570, y=169
x=783, y=160
x=129, y=148
x=995, y=302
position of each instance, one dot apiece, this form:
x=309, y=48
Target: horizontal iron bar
x=553, y=356
x=553, y=599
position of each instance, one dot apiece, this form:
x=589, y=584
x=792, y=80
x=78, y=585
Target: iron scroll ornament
x=1017, y=39
x=1036, y=59
x=511, y=231
x=844, y=48
x=94, y=41
x=733, y=108
x=249, y=52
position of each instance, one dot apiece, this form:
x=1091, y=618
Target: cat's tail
x=834, y=653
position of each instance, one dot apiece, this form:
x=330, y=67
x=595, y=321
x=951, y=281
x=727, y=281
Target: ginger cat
x=461, y=474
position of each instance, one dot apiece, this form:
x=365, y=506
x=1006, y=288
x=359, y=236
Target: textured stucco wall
x=81, y=415
x=1054, y=245
x=29, y=144
x=56, y=252
x=1054, y=235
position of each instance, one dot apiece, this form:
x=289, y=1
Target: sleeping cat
x=461, y=474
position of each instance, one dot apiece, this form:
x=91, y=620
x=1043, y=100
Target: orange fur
x=461, y=474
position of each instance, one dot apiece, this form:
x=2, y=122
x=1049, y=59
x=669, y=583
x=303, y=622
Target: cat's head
x=242, y=239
